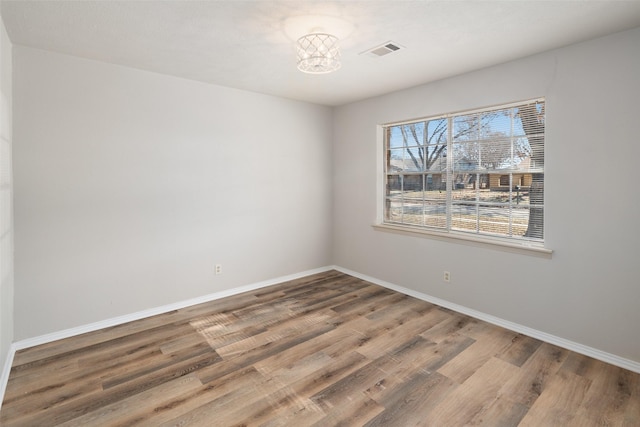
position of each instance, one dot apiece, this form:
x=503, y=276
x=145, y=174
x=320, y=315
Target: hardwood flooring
x=324, y=350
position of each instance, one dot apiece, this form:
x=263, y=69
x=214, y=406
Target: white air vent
x=382, y=50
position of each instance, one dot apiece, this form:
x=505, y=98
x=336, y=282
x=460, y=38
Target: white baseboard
x=561, y=342
x=115, y=321
x=543, y=336
x=54, y=336
x=5, y=372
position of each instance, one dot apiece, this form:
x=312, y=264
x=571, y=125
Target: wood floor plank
x=42, y=403
x=477, y=354
x=83, y=342
x=353, y=386
x=355, y=412
x=254, y=406
x=80, y=372
x=520, y=349
x=632, y=411
x=146, y=370
x=389, y=371
x=366, y=298
x=415, y=359
x=313, y=348
x=78, y=405
x=224, y=329
x=559, y=404
x=608, y=397
x=288, y=370
x=99, y=350
x=472, y=397
x=386, y=339
x=236, y=389
x=277, y=336
x=283, y=407
x=386, y=333
x=328, y=349
x=502, y=412
x=137, y=408
x=339, y=368
x=533, y=379
x=452, y=324
x=226, y=409
x=414, y=401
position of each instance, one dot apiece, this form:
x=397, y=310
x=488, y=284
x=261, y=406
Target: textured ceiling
x=249, y=44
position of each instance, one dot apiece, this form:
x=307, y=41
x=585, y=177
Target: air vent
x=382, y=50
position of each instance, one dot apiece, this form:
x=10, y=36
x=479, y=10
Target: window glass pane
x=494, y=219
x=495, y=123
x=536, y=189
x=465, y=156
x=520, y=220
x=461, y=181
x=395, y=160
x=464, y=187
x=413, y=205
x=436, y=158
x=395, y=137
x=436, y=186
x=496, y=195
x=414, y=159
x=413, y=186
x=394, y=185
x=435, y=214
x=529, y=119
x=482, y=184
x=537, y=154
x=393, y=212
x=520, y=190
x=464, y=217
x=437, y=131
x=412, y=213
x=466, y=128
x=536, y=209
x=495, y=154
x=473, y=186
x=521, y=150
x=413, y=134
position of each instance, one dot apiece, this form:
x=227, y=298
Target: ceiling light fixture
x=318, y=53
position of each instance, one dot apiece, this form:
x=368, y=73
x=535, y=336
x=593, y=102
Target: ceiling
x=249, y=44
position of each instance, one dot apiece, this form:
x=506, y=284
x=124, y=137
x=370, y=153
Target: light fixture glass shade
x=318, y=53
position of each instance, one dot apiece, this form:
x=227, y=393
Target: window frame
x=448, y=233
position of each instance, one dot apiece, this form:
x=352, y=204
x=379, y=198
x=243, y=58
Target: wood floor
x=325, y=350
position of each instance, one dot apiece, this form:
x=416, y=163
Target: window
x=476, y=173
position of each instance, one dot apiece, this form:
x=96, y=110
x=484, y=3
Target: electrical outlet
x=447, y=277
x=218, y=269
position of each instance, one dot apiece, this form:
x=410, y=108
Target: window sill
x=496, y=244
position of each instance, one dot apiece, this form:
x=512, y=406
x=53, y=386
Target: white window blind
x=478, y=172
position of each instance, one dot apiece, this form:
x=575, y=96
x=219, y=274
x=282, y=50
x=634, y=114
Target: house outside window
x=477, y=172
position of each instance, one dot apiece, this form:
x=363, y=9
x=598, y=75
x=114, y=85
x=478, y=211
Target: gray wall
x=130, y=186
x=6, y=198
x=589, y=291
